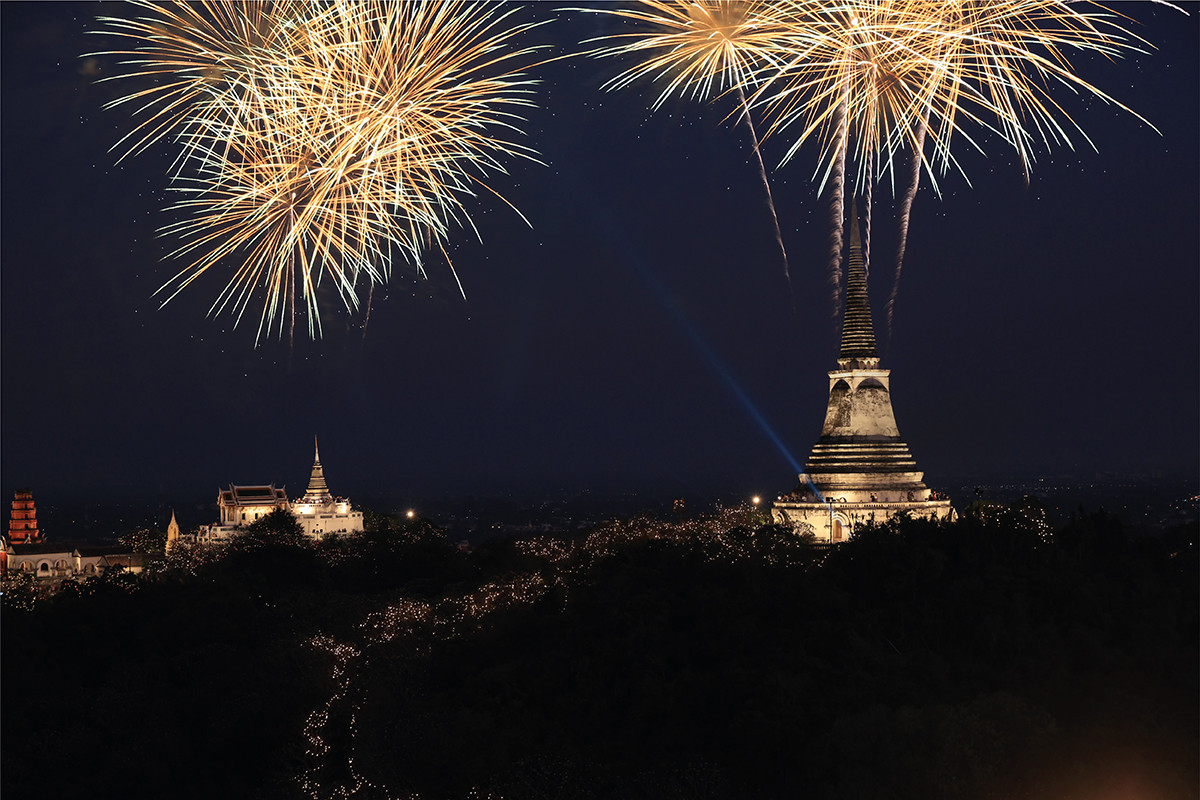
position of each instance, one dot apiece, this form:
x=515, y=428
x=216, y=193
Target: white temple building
x=318, y=512
x=240, y=506
x=860, y=470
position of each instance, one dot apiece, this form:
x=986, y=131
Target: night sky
x=639, y=337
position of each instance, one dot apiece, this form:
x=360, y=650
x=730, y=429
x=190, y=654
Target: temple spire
x=858, y=333
x=317, y=492
x=172, y=534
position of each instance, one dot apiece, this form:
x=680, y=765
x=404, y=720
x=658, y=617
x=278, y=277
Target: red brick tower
x=22, y=524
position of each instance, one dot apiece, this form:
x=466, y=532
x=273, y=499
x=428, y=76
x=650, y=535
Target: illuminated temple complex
x=25, y=552
x=860, y=470
x=318, y=511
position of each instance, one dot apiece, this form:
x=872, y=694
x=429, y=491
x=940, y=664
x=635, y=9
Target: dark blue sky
x=639, y=337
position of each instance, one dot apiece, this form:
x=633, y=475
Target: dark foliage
x=989, y=658
x=145, y=540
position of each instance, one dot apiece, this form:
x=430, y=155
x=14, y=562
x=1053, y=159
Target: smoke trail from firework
x=866, y=239
x=869, y=80
x=837, y=211
x=910, y=195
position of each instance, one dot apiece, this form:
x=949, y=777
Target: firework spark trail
x=841, y=79
x=291, y=281
x=321, y=141
x=762, y=171
x=869, y=80
x=917, y=72
x=830, y=84
x=254, y=97
x=702, y=50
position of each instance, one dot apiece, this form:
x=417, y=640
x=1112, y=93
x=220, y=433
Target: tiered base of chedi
x=860, y=470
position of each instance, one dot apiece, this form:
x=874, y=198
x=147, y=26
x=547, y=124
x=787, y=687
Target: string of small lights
x=730, y=534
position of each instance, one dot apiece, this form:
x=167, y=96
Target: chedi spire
x=858, y=332
x=317, y=492
x=860, y=470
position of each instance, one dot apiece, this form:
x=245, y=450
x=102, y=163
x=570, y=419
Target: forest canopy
x=714, y=657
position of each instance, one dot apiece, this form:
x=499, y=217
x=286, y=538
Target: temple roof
x=93, y=551
x=45, y=548
x=252, y=495
x=858, y=333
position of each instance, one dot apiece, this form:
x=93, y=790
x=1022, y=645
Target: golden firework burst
x=322, y=141
x=870, y=80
